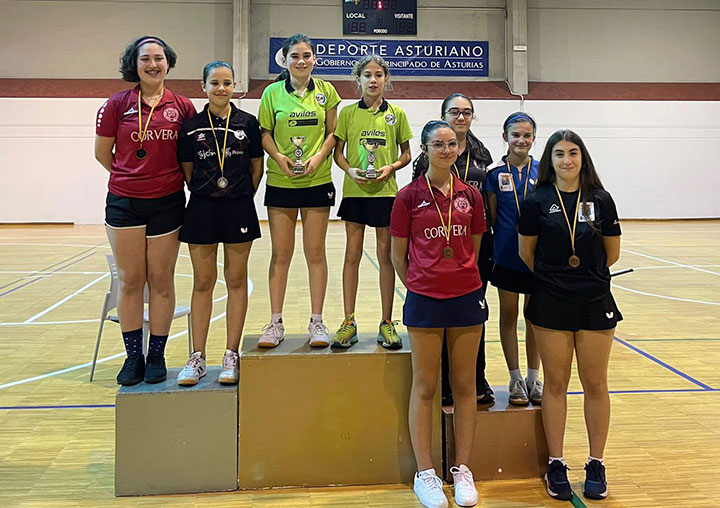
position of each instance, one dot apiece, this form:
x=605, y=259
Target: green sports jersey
x=388, y=127
x=286, y=114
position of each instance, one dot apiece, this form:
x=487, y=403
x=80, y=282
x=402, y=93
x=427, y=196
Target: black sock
x=133, y=343
x=157, y=345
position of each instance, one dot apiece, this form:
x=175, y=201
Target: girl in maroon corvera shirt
x=136, y=142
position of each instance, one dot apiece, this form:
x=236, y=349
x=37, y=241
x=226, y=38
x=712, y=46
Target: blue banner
x=405, y=57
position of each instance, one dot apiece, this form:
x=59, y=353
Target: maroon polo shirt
x=414, y=216
x=158, y=174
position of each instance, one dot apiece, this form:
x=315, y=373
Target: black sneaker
x=132, y=371
x=485, y=395
x=155, y=371
x=556, y=481
x=595, y=483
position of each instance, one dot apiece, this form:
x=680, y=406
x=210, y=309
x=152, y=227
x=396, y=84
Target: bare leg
x=236, y=263
x=354, y=234
x=556, y=351
x=315, y=224
x=204, y=263
x=508, y=327
x=425, y=344
x=593, y=354
x=128, y=246
x=387, y=272
x=463, y=345
x=531, y=348
x=162, y=252
x=282, y=236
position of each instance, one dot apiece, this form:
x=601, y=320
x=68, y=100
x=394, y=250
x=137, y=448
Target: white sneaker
x=230, y=368
x=518, y=393
x=465, y=492
x=273, y=334
x=194, y=369
x=428, y=489
x=535, y=391
x=318, y=334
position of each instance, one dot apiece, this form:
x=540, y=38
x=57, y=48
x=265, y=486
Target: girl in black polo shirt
x=221, y=155
x=569, y=236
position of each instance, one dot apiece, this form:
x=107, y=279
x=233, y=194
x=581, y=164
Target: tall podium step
x=171, y=439
x=318, y=417
x=509, y=441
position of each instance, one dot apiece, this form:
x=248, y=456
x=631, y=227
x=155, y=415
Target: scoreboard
x=379, y=17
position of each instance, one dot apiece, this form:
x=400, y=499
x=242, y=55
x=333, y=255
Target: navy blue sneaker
x=155, y=370
x=132, y=372
x=556, y=481
x=595, y=483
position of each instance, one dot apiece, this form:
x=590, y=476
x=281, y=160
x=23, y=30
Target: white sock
x=561, y=459
x=516, y=375
x=316, y=317
x=601, y=461
x=533, y=374
x=276, y=318
x=431, y=471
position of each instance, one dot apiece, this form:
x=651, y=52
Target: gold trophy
x=299, y=167
x=371, y=145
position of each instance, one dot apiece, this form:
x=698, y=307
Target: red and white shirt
x=414, y=216
x=158, y=174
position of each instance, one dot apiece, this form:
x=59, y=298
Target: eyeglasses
x=439, y=145
x=455, y=113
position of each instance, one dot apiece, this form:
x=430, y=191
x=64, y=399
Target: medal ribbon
x=437, y=207
x=467, y=166
x=221, y=159
x=567, y=219
x=512, y=183
x=143, y=132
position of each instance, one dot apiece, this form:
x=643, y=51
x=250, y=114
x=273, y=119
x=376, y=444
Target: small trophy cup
x=299, y=167
x=371, y=146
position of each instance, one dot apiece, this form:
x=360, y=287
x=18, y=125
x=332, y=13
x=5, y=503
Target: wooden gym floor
x=57, y=429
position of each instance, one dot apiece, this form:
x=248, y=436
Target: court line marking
x=32, y=281
x=117, y=355
x=670, y=262
x=68, y=297
x=663, y=364
x=674, y=298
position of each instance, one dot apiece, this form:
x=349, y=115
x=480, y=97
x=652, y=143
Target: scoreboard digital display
x=379, y=17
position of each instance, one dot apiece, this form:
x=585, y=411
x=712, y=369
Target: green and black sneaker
x=346, y=335
x=388, y=336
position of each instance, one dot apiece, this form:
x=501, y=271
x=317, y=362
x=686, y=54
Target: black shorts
x=159, y=216
x=308, y=197
x=550, y=312
x=511, y=280
x=374, y=212
x=220, y=220
x=423, y=311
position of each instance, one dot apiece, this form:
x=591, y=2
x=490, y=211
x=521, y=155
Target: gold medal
x=447, y=251
x=512, y=183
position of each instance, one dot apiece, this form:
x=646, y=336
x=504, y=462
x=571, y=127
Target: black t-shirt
x=196, y=144
x=542, y=216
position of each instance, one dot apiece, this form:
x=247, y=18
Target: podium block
x=171, y=439
x=509, y=441
x=319, y=417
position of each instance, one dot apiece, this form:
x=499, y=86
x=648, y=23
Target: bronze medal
x=574, y=261
x=141, y=153
x=447, y=252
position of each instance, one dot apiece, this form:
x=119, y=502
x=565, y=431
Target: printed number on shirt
x=586, y=210
x=504, y=179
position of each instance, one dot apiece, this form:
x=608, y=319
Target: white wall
x=656, y=158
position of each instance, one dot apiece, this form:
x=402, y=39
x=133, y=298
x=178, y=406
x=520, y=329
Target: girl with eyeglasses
x=471, y=167
x=508, y=185
x=436, y=227
x=569, y=237
x=375, y=136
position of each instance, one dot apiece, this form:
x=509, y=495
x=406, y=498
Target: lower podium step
x=317, y=417
x=171, y=439
x=509, y=441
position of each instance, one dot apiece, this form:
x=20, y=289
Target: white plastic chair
x=110, y=303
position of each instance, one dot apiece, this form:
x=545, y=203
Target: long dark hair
x=128, y=59
x=475, y=146
x=589, y=179
x=287, y=44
